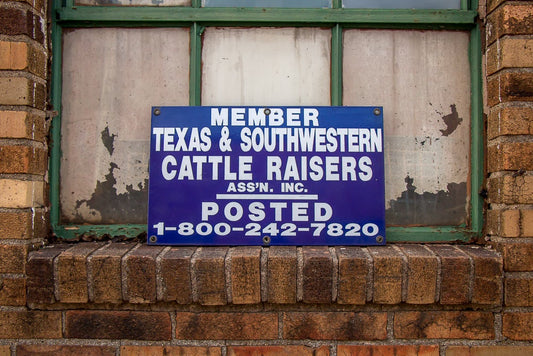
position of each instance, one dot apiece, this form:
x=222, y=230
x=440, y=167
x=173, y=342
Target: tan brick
x=13, y=258
x=5, y=350
x=226, y=326
x=246, y=275
x=388, y=267
x=510, y=156
x=526, y=223
x=21, y=194
x=64, y=350
x=354, y=266
x=504, y=223
x=385, y=350
x=141, y=274
x=518, y=291
x=21, y=56
x=517, y=256
x=492, y=350
x=169, y=351
x=518, y=326
x=176, y=275
x=299, y=350
x=21, y=124
x=30, y=324
x=510, y=18
x=511, y=190
x=334, y=326
x=16, y=91
x=210, y=274
x=503, y=121
x=282, y=274
x=23, y=225
x=12, y=291
x=488, y=274
x=444, y=325
x=421, y=274
x=22, y=159
x=509, y=53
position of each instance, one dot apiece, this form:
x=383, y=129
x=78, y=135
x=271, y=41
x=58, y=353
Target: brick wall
x=129, y=299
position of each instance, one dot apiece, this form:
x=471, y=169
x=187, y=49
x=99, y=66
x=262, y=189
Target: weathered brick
x=517, y=255
x=518, y=326
x=511, y=189
x=131, y=325
x=526, y=223
x=444, y=325
x=226, y=326
x=334, y=326
x=176, y=275
x=22, y=159
x=488, y=275
x=72, y=277
x=5, y=350
x=21, y=56
x=282, y=274
x=385, y=350
x=455, y=273
x=15, y=21
x=21, y=194
x=169, y=351
x=246, y=275
x=22, y=91
x=508, y=156
x=388, y=267
x=30, y=324
x=208, y=265
x=12, y=291
x=354, y=266
x=277, y=350
x=105, y=266
x=141, y=274
x=13, y=258
x=21, y=124
x=421, y=274
x=23, y=224
x=317, y=274
x=503, y=223
x=519, y=291
x=64, y=350
x=509, y=53
x=512, y=18
x=510, y=120
x=40, y=272
x=492, y=350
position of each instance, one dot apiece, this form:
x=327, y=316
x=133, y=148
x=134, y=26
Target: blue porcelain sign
x=266, y=176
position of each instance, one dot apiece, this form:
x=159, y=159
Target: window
x=113, y=62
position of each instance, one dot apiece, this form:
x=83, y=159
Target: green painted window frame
x=66, y=15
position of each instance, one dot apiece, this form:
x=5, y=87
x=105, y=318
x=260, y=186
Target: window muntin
x=268, y=3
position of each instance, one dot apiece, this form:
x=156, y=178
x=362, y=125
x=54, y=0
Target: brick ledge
x=140, y=274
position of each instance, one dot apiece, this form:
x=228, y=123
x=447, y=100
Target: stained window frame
x=65, y=14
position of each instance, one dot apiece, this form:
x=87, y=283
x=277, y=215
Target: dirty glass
x=421, y=78
x=111, y=78
x=266, y=66
x=268, y=3
x=134, y=2
x=401, y=4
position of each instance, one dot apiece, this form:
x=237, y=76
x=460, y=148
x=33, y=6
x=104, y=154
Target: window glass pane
x=422, y=80
x=267, y=3
x=266, y=66
x=134, y=2
x=111, y=78
x=401, y=4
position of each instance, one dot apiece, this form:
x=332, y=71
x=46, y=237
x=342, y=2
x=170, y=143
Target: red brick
x=23, y=224
x=176, y=275
x=421, y=274
x=40, y=272
x=388, y=269
x=130, y=325
x=386, y=350
x=169, y=351
x=105, y=265
x=455, y=273
x=335, y=326
x=354, y=266
x=488, y=275
x=13, y=258
x=510, y=156
x=12, y=291
x=72, y=277
x=226, y=326
x=141, y=274
x=517, y=256
x=21, y=22
x=518, y=326
x=22, y=159
x=512, y=18
x=299, y=350
x=30, y=324
x=444, y=325
x=509, y=120
x=282, y=274
x=64, y=350
x=492, y=350
x=208, y=265
x=317, y=275
x=519, y=291
x=246, y=275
